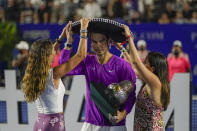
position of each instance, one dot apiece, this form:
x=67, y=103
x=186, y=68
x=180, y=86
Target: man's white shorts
x=90, y=127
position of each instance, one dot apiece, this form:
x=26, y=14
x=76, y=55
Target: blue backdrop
x=159, y=38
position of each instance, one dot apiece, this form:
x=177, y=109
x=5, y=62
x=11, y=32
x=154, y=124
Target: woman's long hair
x=159, y=62
x=37, y=70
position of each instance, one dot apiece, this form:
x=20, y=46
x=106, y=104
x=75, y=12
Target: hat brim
x=104, y=26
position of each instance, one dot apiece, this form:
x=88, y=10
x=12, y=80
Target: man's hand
x=121, y=115
x=25, y=53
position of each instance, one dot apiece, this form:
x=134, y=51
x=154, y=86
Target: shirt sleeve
x=64, y=56
x=127, y=73
x=78, y=70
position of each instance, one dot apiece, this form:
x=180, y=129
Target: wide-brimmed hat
x=104, y=26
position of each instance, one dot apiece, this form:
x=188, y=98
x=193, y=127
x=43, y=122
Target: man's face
x=23, y=51
x=99, y=43
x=176, y=48
x=142, y=47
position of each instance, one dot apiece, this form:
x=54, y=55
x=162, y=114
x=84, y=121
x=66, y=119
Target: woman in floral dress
x=154, y=95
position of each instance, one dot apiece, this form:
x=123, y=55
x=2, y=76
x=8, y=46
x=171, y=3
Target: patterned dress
x=148, y=115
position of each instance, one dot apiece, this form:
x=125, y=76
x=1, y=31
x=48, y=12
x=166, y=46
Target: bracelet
x=83, y=37
x=68, y=45
x=83, y=31
x=58, y=41
x=124, y=42
x=61, y=38
x=123, y=50
x=129, y=37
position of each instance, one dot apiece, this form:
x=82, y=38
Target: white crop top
x=51, y=99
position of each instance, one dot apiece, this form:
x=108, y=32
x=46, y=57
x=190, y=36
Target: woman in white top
x=42, y=84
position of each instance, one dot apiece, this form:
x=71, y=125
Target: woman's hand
x=118, y=45
x=67, y=32
x=84, y=23
x=127, y=30
x=120, y=116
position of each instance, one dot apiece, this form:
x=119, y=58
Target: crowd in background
x=129, y=11
x=126, y=11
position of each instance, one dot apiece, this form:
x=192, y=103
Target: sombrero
x=105, y=26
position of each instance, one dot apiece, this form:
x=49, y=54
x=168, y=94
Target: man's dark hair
x=106, y=34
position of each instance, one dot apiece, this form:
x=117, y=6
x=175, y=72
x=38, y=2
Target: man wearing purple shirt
x=105, y=67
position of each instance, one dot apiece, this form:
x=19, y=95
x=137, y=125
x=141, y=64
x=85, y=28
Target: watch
x=68, y=45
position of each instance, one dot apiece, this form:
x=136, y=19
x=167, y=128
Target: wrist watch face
x=69, y=45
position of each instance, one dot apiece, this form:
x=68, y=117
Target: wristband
x=60, y=38
x=83, y=31
x=123, y=50
x=84, y=37
x=124, y=42
x=129, y=36
x=58, y=41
